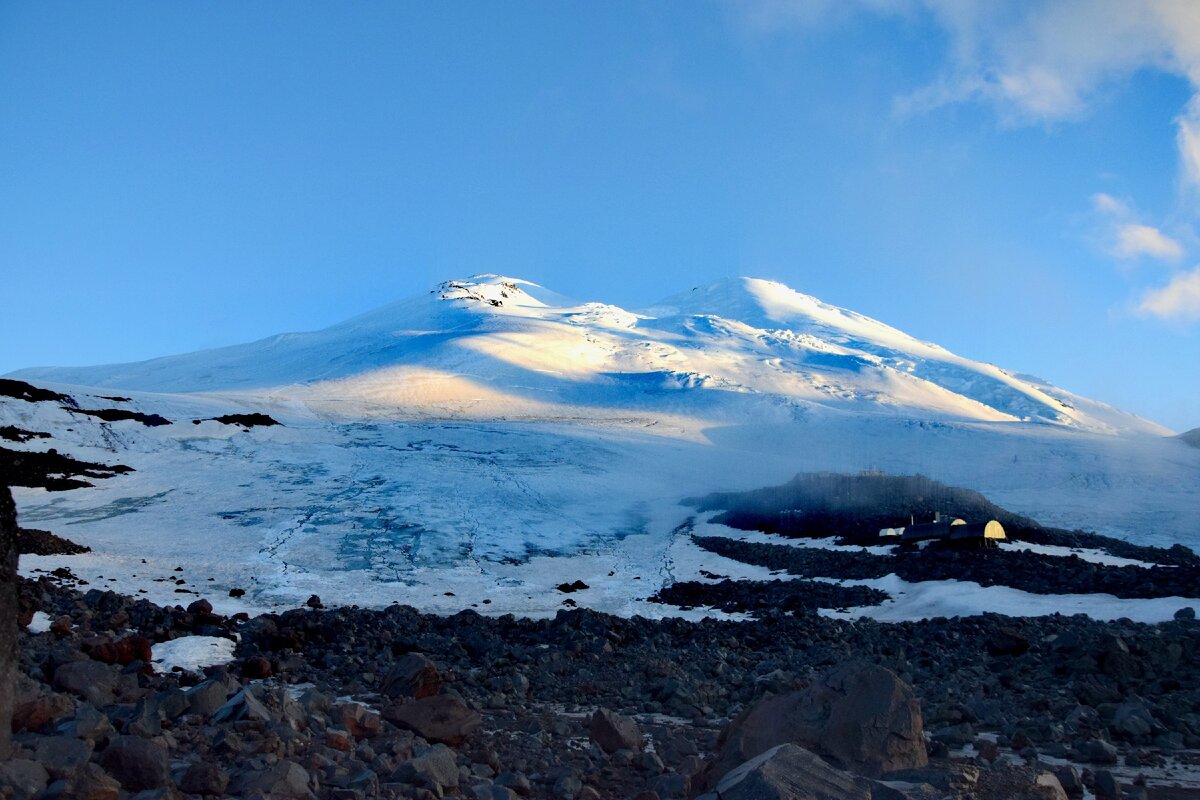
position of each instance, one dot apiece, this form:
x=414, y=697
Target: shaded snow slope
x=482, y=443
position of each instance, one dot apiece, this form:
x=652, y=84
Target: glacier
x=482, y=442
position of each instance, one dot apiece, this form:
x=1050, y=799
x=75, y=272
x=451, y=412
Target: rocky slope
x=354, y=703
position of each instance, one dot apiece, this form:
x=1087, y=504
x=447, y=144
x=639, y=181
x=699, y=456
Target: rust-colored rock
x=257, y=667
x=123, y=651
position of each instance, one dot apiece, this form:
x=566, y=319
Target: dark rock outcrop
x=121, y=414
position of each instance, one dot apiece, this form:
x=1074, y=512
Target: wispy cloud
x=1127, y=238
x=1179, y=300
x=1136, y=240
x=1033, y=61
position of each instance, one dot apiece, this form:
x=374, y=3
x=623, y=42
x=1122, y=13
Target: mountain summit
x=503, y=345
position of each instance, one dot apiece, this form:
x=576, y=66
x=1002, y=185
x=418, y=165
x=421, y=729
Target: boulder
x=62, y=756
x=788, y=772
x=1050, y=787
x=243, y=705
x=613, y=732
x=1007, y=641
x=1106, y=786
x=414, y=675
x=206, y=697
x=286, y=780
x=1133, y=719
x=436, y=767
x=204, y=777
x=88, y=723
x=441, y=718
x=91, y=680
x=257, y=668
x=22, y=779
x=93, y=783
x=1098, y=751
x=861, y=718
x=952, y=778
x=123, y=651
x=1069, y=779
x=200, y=606
x=358, y=720
x=35, y=709
x=147, y=718
x=137, y=763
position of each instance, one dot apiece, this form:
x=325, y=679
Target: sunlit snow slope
x=492, y=439
x=494, y=346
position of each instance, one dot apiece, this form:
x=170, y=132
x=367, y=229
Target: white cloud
x=1109, y=204
x=1135, y=240
x=1188, y=139
x=1127, y=238
x=1033, y=60
x=1178, y=300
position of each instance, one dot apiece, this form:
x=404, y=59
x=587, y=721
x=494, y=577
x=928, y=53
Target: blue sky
x=1019, y=183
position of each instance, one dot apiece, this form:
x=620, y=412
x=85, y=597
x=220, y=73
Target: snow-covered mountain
x=490, y=439
x=505, y=347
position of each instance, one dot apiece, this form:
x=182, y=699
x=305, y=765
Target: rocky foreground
x=351, y=703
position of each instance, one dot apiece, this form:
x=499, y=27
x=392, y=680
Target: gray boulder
x=22, y=779
x=286, y=780
x=613, y=732
x=243, y=705
x=788, y=772
x=861, y=718
x=1133, y=719
x=137, y=763
x=205, y=698
x=436, y=767
x=62, y=756
x=91, y=680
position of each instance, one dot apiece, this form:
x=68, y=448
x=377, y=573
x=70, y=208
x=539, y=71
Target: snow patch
x=926, y=599
x=40, y=622
x=192, y=653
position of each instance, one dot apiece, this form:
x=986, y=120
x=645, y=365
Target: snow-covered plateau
x=480, y=444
